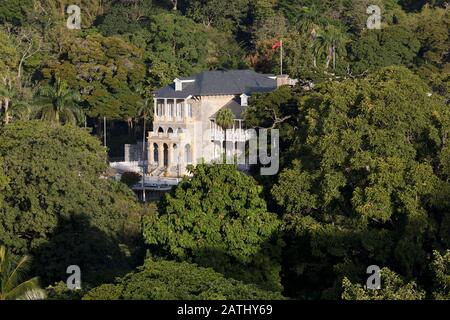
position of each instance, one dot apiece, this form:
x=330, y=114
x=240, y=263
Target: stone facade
x=184, y=129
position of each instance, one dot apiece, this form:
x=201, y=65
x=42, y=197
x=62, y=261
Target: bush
x=170, y=280
x=130, y=178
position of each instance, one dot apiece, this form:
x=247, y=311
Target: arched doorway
x=166, y=155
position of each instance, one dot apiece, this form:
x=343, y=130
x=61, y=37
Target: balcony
x=237, y=135
x=172, y=136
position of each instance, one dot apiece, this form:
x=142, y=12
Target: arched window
x=155, y=152
x=160, y=130
x=170, y=130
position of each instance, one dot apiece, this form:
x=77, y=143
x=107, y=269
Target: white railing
x=232, y=135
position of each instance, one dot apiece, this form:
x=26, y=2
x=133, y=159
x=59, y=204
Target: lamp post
x=143, y=166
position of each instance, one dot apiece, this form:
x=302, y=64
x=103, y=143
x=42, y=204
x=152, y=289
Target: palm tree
x=225, y=119
x=145, y=111
x=311, y=21
x=329, y=42
x=12, y=272
x=59, y=104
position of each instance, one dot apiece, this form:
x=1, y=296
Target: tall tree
x=368, y=182
x=218, y=219
x=58, y=207
x=59, y=103
x=330, y=42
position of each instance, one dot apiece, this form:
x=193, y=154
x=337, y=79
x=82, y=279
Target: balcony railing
x=170, y=135
x=232, y=135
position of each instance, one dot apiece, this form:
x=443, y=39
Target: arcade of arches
x=169, y=154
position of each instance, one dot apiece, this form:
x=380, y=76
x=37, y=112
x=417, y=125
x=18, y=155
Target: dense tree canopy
x=105, y=70
x=365, y=158
x=218, y=219
x=55, y=204
x=170, y=280
x=369, y=180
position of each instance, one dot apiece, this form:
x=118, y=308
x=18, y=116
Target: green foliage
x=225, y=118
x=177, y=46
x=365, y=154
x=366, y=185
x=392, y=288
x=59, y=104
x=60, y=291
x=9, y=56
x=223, y=15
x=125, y=18
x=432, y=32
x=394, y=45
x=12, y=273
x=440, y=268
x=130, y=178
x=218, y=219
x=170, y=280
x=13, y=11
x=57, y=207
x=105, y=70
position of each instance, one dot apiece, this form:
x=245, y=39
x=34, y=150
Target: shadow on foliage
x=261, y=269
x=76, y=241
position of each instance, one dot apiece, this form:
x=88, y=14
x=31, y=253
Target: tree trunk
x=7, y=110
x=334, y=57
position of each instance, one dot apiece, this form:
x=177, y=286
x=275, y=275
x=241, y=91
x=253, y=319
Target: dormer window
x=179, y=83
x=244, y=100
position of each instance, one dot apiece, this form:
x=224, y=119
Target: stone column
x=160, y=155
x=151, y=155
x=170, y=155
x=166, y=111
x=181, y=158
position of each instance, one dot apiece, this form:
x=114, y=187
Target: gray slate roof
x=221, y=83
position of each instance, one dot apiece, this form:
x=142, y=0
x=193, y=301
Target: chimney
x=284, y=80
x=244, y=100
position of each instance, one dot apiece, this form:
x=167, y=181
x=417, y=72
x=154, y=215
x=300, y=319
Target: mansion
x=184, y=126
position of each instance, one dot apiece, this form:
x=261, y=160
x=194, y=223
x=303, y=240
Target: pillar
x=151, y=152
x=170, y=155
x=160, y=155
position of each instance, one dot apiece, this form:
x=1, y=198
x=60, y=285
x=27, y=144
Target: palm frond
x=23, y=289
